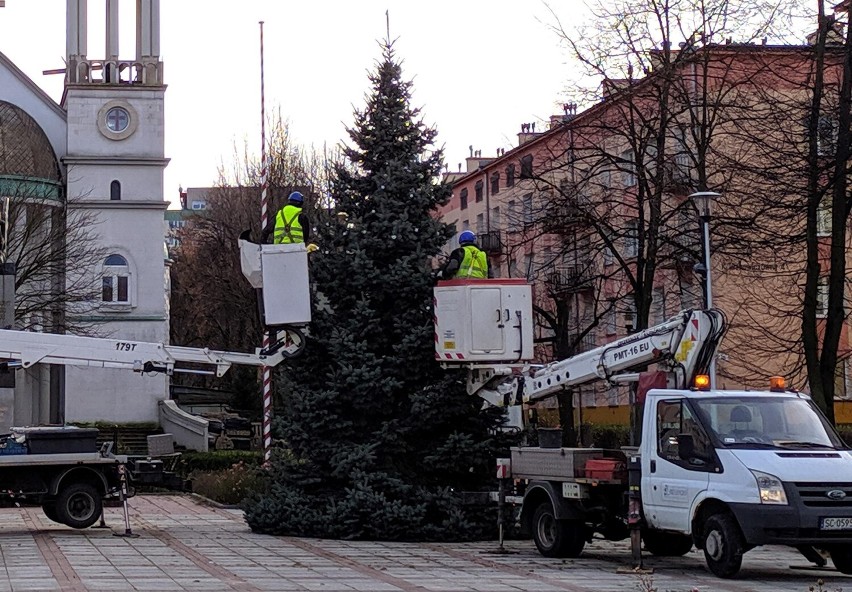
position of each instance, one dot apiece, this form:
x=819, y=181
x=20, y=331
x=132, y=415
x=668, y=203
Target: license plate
x=835, y=524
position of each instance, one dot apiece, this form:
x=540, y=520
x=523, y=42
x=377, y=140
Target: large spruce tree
x=378, y=439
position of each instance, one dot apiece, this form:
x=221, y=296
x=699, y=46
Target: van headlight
x=771, y=489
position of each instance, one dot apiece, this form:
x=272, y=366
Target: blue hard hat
x=297, y=197
x=467, y=237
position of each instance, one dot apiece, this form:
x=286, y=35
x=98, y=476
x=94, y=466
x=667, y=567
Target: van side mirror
x=685, y=446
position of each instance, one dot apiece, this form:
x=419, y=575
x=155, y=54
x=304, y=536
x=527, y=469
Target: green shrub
x=219, y=460
x=612, y=436
x=230, y=485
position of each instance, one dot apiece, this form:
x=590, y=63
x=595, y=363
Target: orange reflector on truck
x=702, y=382
x=776, y=383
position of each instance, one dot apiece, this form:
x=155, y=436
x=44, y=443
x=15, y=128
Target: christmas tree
x=379, y=440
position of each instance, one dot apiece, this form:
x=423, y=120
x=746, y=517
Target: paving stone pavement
x=186, y=545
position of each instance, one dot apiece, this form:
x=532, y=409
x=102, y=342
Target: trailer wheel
x=49, y=509
x=666, y=544
x=79, y=505
x=556, y=538
x=723, y=545
x=842, y=558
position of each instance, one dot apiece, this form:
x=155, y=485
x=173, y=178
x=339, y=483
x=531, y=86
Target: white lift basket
x=281, y=273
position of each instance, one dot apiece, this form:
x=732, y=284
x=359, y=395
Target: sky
x=480, y=68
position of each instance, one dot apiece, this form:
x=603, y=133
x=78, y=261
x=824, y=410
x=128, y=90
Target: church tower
x=115, y=161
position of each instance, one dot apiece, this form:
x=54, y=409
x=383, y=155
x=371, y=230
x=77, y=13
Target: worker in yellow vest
x=290, y=224
x=466, y=262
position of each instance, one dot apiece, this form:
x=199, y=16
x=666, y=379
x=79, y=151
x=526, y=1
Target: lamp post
x=704, y=204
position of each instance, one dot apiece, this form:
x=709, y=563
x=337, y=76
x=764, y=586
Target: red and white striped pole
x=264, y=217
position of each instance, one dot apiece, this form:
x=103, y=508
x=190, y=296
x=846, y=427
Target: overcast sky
x=480, y=68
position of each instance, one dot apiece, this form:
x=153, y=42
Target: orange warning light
x=777, y=383
x=702, y=382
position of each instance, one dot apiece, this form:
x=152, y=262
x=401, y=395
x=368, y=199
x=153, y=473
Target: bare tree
x=212, y=304
x=54, y=249
x=613, y=179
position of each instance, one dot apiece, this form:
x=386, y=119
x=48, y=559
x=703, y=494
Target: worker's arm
x=306, y=227
x=270, y=228
x=452, y=265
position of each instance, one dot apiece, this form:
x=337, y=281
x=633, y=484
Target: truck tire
x=79, y=505
x=556, y=538
x=666, y=544
x=842, y=558
x=49, y=509
x=723, y=545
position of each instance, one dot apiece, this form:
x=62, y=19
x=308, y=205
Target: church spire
x=145, y=69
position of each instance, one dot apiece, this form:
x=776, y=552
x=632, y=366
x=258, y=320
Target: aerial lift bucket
x=279, y=273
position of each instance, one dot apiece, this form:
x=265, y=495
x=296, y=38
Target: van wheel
x=79, y=505
x=842, y=558
x=723, y=545
x=666, y=544
x=557, y=538
x=49, y=509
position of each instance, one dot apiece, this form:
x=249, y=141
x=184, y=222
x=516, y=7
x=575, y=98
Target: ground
x=186, y=545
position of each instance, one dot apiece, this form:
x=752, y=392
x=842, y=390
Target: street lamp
x=704, y=204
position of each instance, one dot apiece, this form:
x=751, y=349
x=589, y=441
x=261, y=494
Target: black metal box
x=59, y=440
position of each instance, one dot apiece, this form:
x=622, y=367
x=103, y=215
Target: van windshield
x=766, y=421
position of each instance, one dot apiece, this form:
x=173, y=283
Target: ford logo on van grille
x=836, y=494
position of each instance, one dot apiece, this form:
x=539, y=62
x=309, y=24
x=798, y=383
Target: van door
x=487, y=332
x=670, y=484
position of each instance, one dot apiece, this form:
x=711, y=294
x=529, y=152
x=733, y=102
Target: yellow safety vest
x=287, y=226
x=474, y=265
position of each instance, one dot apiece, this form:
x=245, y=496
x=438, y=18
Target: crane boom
x=680, y=343
x=683, y=346
x=28, y=348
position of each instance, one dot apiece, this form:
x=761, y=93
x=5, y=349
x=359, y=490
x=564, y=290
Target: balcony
x=573, y=278
x=676, y=174
x=491, y=242
x=560, y=217
x=583, y=344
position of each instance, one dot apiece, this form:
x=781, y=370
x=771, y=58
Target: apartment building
x=595, y=208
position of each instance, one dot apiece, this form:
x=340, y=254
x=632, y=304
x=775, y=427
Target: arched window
x=116, y=280
x=115, y=190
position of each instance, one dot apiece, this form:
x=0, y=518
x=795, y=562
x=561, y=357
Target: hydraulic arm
x=682, y=346
x=23, y=349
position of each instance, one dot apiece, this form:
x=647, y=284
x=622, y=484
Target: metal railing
x=571, y=278
x=491, y=242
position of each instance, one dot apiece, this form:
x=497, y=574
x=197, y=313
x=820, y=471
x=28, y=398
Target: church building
x=81, y=217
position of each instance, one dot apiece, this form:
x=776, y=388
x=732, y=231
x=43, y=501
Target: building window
x=512, y=213
x=527, y=167
x=822, y=298
x=465, y=225
x=117, y=119
x=658, y=306
x=610, y=320
x=826, y=135
x=631, y=239
x=478, y=191
x=495, y=183
x=510, y=175
x=480, y=223
x=824, y=217
x=528, y=209
x=529, y=266
x=115, y=191
x=628, y=168
x=116, y=280
x=495, y=218
x=463, y=198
